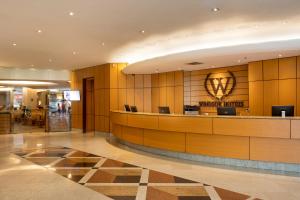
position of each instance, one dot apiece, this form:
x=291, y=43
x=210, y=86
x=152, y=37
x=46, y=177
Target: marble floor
x=76, y=166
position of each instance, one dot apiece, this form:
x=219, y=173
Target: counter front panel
x=243, y=137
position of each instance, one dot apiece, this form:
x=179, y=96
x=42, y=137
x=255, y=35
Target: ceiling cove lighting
x=11, y=82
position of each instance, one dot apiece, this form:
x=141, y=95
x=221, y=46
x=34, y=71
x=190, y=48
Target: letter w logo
x=216, y=84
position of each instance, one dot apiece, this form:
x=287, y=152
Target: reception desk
x=5, y=123
x=273, y=139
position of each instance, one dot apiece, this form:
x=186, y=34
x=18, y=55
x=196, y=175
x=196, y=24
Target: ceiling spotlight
x=71, y=13
x=74, y=52
x=50, y=60
x=14, y=44
x=39, y=31
x=142, y=31
x=279, y=55
x=215, y=9
x=103, y=44
x=239, y=61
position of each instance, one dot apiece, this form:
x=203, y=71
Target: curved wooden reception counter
x=272, y=139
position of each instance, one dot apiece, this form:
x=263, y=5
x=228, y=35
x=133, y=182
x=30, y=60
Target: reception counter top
x=259, y=138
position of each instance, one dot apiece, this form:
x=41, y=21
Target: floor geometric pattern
x=123, y=181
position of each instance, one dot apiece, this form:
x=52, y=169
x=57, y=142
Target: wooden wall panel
x=114, y=76
x=298, y=97
x=130, y=97
x=133, y=135
x=287, y=68
x=178, y=103
x=270, y=69
x=221, y=146
x=275, y=150
x=298, y=67
x=170, y=79
x=255, y=71
x=139, y=99
x=271, y=96
x=122, y=78
x=114, y=102
x=139, y=81
x=173, y=141
x=279, y=128
x=170, y=98
x=99, y=123
x=186, y=124
x=179, y=78
x=256, y=98
x=147, y=100
x=99, y=78
x=122, y=98
x=130, y=81
x=147, y=80
x=162, y=77
x=163, y=96
x=288, y=92
x=155, y=80
x=155, y=99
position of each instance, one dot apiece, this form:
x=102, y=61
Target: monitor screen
x=164, y=110
x=73, y=95
x=226, y=111
x=277, y=111
x=133, y=108
x=127, y=108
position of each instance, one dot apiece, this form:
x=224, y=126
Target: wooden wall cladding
x=167, y=90
x=275, y=150
x=221, y=146
x=143, y=121
x=5, y=123
x=194, y=89
x=173, y=141
x=279, y=80
x=274, y=128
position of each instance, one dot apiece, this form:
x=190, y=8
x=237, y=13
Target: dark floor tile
x=127, y=179
x=194, y=198
x=122, y=197
x=182, y=180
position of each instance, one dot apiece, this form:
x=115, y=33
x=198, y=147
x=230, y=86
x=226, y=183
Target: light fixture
x=103, y=44
x=215, y=9
x=71, y=13
x=279, y=55
x=14, y=44
x=74, y=53
x=239, y=61
x=50, y=60
x=11, y=82
x=39, y=31
x=142, y=31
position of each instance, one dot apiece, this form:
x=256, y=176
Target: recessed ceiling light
x=142, y=31
x=74, y=53
x=32, y=65
x=103, y=44
x=50, y=60
x=71, y=13
x=279, y=55
x=215, y=9
x=239, y=61
x=14, y=44
x=39, y=31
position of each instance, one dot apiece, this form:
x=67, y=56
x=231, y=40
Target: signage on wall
x=219, y=86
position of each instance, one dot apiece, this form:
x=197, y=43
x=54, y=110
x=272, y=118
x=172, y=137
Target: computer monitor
x=289, y=110
x=133, y=108
x=164, y=110
x=226, y=111
x=191, y=108
x=127, y=108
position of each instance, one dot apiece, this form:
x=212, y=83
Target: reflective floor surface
x=76, y=166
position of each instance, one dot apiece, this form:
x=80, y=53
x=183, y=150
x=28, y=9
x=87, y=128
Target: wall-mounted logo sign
x=220, y=85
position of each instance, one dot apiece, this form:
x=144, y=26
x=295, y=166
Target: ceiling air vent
x=194, y=63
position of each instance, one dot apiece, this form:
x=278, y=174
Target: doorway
x=88, y=105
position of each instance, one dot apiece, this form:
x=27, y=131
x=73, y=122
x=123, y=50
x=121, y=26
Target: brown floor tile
x=115, y=163
x=78, y=162
x=73, y=174
x=82, y=154
x=229, y=195
x=102, y=177
x=116, y=176
x=50, y=153
x=155, y=194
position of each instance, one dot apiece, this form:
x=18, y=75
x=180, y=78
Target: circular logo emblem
x=220, y=85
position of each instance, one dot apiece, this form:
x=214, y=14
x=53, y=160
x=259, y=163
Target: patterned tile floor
x=122, y=181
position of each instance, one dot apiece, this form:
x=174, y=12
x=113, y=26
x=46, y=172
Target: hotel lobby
x=150, y=100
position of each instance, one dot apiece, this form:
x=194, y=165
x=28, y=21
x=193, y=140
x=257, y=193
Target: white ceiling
x=187, y=28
